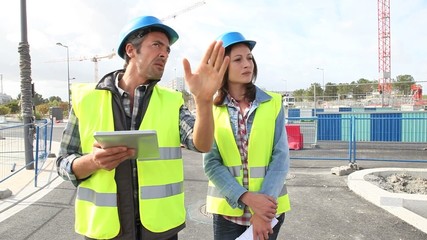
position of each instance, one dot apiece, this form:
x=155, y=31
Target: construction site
x=393, y=100
x=386, y=92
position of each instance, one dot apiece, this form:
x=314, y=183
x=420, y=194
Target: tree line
x=356, y=89
x=331, y=91
x=41, y=105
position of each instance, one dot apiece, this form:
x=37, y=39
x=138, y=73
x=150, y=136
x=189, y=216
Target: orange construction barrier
x=295, y=137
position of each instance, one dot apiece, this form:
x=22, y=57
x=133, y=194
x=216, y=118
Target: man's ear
x=129, y=50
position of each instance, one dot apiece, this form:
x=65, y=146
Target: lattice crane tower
x=95, y=59
x=384, y=47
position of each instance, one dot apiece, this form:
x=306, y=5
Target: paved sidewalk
x=24, y=189
x=323, y=207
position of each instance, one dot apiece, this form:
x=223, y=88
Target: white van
x=288, y=102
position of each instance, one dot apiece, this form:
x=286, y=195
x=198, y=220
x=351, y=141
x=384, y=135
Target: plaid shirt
x=70, y=148
x=242, y=144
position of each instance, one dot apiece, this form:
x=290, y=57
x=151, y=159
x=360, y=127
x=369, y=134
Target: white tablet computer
x=143, y=141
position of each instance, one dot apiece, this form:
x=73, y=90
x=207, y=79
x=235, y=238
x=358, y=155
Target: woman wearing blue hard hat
x=249, y=160
x=118, y=195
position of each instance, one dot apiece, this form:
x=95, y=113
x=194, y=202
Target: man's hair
x=137, y=38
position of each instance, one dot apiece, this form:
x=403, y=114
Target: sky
x=295, y=39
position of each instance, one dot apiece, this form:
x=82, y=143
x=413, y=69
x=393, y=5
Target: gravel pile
x=399, y=183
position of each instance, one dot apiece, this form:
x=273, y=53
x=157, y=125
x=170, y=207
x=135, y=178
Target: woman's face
x=241, y=67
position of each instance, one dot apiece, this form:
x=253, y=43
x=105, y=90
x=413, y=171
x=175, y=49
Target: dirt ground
x=399, y=183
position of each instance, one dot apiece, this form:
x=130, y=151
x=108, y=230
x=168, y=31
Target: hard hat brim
x=250, y=43
x=230, y=38
x=146, y=23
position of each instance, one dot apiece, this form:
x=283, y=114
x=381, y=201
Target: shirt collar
x=121, y=91
x=260, y=96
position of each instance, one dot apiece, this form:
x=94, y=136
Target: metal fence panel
x=371, y=136
x=386, y=127
x=12, y=148
x=414, y=127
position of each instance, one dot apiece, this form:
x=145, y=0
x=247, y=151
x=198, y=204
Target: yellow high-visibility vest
x=160, y=180
x=260, y=148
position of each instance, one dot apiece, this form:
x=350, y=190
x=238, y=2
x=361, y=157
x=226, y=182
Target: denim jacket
x=277, y=169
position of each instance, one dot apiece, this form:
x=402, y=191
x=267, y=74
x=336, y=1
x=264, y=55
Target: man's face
x=151, y=57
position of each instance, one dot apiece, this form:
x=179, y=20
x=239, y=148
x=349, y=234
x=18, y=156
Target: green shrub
x=4, y=110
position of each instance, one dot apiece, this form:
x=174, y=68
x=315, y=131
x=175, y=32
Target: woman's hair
x=250, y=87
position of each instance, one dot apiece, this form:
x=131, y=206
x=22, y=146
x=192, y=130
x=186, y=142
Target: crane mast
x=95, y=59
x=384, y=47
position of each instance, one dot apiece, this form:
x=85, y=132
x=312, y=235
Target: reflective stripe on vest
x=168, y=153
x=260, y=147
x=213, y=191
x=256, y=172
x=153, y=192
x=96, y=207
x=235, y=171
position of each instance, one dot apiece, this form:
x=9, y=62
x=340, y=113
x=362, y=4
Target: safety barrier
x=12, y=148
x=295, y=137
x=396, y=137
x=351, y=137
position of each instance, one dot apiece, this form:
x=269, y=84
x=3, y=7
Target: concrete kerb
x=408, y=207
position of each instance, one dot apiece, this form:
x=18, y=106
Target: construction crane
x=417, y=92
x=174, y=15
x=95, y=59
x=384, y=47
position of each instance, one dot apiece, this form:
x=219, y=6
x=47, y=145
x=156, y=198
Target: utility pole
x=26, y=89
x=323, y=82
x=315, y=100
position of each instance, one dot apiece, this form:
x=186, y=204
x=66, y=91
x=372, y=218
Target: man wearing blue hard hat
x=119, y=196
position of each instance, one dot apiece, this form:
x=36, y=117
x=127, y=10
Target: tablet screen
x=143, y=141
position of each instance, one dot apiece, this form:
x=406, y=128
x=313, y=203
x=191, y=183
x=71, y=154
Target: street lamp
x=315, y=100
x=323, y=81
x=68, y=74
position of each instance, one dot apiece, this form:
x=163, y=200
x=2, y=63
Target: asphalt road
x=323, y=207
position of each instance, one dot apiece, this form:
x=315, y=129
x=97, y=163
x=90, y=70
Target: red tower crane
x=384, y=47
x=417, y=92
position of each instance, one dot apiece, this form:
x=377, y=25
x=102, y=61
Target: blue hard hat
x=142, y=23
x=231, y=38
